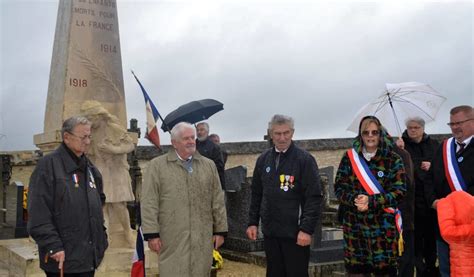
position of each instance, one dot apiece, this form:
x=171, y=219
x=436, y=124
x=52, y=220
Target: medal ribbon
x=92, y=180
x=372, y=186
x=451, y=167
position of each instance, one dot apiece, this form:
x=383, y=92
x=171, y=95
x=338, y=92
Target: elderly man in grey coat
x=182, y=206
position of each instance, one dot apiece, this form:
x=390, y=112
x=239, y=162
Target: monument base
x=19, y=258
x=47, y=142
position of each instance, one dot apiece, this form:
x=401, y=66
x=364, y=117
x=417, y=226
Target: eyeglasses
x=370, y=133
x=83, y=138
x=452, y=124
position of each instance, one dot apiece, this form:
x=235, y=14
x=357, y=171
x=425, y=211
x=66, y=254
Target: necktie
x=462, y=145
x=277, y=160
x=188, y=164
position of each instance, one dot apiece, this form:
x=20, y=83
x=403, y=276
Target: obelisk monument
x=86, y=65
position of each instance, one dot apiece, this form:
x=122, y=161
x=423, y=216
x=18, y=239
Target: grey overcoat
x=186, y=209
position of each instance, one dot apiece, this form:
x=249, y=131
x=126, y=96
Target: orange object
x=456, y=223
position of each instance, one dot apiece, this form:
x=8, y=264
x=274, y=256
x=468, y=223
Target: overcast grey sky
x=319, y=62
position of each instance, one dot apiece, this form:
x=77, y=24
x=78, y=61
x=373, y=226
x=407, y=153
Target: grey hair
x=213, y=135
x=71, y=123
x=178, y=128
x=466, y=109
x=205, y=124
x=280, y=119
x=420, y=121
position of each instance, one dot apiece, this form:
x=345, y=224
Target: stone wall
x=328, y=152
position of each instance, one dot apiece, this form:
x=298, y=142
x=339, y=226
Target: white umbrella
x=399, y=102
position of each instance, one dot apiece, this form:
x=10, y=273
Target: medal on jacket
x=76, y=180
x=282, y=181
x=292, y=180
x=287, y=179
x=92, y=180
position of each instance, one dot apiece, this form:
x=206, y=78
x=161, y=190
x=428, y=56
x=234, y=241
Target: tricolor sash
x=451, y=168
x=372, y=186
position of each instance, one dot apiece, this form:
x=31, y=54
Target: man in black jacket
x=210, y=150
x=286, y=196
x=422, y=148
x=65, y=206
x=462, y=143
x=217, y=140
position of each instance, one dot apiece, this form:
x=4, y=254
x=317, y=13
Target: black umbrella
x=192, y=112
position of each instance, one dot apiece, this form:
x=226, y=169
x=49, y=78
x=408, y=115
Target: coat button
x=90, y=242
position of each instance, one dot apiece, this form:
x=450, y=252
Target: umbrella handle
x=394, y=115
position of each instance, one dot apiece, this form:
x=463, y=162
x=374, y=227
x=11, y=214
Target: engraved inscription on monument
x=86, y=65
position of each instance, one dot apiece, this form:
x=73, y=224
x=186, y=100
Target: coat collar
x=287, y=152
x=69, y=163
x=172, y=156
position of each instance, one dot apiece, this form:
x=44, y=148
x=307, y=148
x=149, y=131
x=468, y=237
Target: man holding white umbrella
x=421, y=148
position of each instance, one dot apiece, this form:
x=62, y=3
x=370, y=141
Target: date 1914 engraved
x=107, y=48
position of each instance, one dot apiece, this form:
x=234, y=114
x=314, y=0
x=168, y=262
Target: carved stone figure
x=110, y=144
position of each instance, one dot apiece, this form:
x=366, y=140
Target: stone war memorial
x=86, y=79
x=86, y=65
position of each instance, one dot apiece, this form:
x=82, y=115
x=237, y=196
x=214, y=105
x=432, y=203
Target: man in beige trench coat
x=182, y=206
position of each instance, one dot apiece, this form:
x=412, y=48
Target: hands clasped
x=362, y=202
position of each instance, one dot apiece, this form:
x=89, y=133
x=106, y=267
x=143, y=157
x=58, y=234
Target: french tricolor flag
x=152, y=116
x=138, y=266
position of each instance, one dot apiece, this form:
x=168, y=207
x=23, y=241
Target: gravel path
x=236, y=269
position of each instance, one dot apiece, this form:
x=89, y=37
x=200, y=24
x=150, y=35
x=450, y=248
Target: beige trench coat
x=186, y=209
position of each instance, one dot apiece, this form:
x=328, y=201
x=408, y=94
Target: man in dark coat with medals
x=65, y=206
x=286, y=196
x=452, y=169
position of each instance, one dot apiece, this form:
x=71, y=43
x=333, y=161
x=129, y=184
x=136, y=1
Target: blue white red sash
x=451, y=168
x=370, y=183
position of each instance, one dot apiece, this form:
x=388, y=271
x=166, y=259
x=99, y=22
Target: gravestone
x=238, y=206
x=234, y=177
x=86, y=65
x=328, y=172
x=21, y=210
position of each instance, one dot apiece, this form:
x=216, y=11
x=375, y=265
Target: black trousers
x=406, y=263
x=425, y=243
x=83, y=274
x=285, y=258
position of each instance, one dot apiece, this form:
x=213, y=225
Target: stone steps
x=19, y=258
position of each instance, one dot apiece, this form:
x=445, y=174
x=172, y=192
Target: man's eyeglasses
x=452, y=124
x=373, y=133
x=83, y=138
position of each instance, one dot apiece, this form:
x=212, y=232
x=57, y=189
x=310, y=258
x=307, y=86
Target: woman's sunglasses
x=372, y=133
